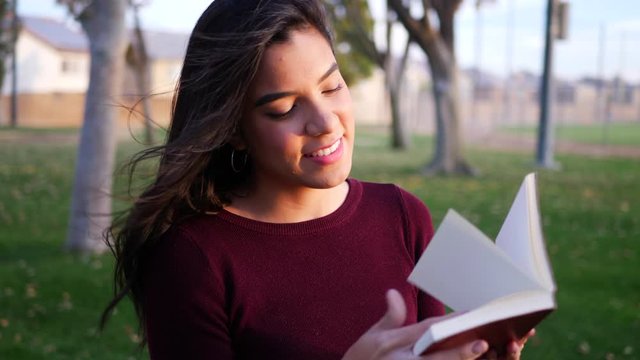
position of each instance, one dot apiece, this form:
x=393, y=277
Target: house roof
x=160, y=45
x=165, y=45
x=55, y=33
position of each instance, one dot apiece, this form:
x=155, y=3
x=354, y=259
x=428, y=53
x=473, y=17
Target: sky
x=502, y=37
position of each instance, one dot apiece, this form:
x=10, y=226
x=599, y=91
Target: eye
x=281, y=115
x=334, y=90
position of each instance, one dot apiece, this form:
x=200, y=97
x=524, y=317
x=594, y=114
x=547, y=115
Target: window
x=69, y=66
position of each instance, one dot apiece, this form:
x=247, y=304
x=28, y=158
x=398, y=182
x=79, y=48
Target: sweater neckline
x=340, y=215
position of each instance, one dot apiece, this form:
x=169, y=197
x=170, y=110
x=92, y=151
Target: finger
x=396, y=312
x=411, y=333
x=408, y=335
x=492, y=355
x=531, y=333
x=513, y=351
x=472, y=350
x=525, y=338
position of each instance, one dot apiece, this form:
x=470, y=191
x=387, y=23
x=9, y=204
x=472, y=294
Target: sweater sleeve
x=183, y=303
x=419, y=231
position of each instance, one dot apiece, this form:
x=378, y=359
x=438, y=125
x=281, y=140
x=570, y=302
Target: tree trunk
x=400, y=139
x=103, y=22
x=439, y=47
x=400, y=135
x=143, y=76
x=448, y=157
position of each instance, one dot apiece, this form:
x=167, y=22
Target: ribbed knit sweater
x=226, y=287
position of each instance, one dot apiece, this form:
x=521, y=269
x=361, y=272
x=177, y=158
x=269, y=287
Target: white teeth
x=327, y=151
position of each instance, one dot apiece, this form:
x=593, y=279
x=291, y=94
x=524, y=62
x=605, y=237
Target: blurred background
x=551, y=86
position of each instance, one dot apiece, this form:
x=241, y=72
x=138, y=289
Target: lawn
x=608, y=134
x=50, y=301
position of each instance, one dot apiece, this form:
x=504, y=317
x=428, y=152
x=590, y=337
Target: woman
x=253, y=242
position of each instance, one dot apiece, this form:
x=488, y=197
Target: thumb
x=396, y=311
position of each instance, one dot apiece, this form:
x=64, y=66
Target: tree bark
x=438, y=45
x=140, y=63
x=448, y=157
x=90, y=216
x=399, y=135
x=400, y=139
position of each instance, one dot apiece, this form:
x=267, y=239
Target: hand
x=513, y=350
x=388, y=339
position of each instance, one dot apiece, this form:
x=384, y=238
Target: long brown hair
x=194, y=173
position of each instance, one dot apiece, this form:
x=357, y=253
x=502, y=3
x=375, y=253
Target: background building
x=53, y=75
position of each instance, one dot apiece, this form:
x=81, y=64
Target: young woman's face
x=298, y=125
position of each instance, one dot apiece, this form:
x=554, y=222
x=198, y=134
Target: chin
x=331, y=180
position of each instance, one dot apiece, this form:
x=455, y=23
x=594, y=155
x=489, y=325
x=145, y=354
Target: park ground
x=50, y=300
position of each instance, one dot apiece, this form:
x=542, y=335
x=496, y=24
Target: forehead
x=305, y=56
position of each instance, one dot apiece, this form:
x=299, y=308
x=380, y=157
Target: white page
x=503, y=308
x=464, y=269
x=520, y=237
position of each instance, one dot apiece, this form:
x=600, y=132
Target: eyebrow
x=278, y=95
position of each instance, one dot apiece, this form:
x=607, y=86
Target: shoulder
x=398, y=202
x=392, y=194
x=187, y=241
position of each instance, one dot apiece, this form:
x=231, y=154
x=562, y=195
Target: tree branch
x=365, y=42
x=77, y=8
x=426, y=5
x=425, y=37
x=446, y=9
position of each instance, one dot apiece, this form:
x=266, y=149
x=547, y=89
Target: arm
x=184, y=303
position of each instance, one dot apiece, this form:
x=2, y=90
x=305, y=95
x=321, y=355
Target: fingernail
x=479, y=347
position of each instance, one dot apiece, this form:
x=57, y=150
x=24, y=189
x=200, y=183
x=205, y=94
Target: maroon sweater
x=223, y=286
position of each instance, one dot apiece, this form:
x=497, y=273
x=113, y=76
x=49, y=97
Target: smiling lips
x=326, y=151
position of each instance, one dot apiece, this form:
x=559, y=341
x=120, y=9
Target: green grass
x=50, y=301
x=30, y=130
x=610, y=134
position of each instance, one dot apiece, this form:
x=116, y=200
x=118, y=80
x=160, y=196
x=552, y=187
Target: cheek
x=348, y=123
x=344, y=106
x=275, y=142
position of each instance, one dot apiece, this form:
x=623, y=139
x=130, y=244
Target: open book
x=501, y=290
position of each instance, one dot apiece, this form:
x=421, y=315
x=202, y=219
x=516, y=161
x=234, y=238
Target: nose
x=321, y=120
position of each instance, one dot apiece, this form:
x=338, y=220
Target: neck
x=289, y=206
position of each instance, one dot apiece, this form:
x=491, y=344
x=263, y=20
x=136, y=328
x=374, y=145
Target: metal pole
x=601, y=101
x=544, y=153
x=506, y=109
x=478, y=78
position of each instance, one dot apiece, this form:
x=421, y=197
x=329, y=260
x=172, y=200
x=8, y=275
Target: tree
x=354, y=24
x=354, y=64
x=137, y=56
x=8, y=36
x=103, y=23
x=438, y=45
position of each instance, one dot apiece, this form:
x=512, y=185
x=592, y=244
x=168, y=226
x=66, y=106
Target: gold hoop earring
x=233, y=162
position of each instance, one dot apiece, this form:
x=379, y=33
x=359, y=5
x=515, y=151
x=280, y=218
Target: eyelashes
x=276, y=115
x=286, y=114
x=336, y=89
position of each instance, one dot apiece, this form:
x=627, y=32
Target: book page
x=497, y=322
x=521, y=236
x=464, y=269
x=506, y=307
